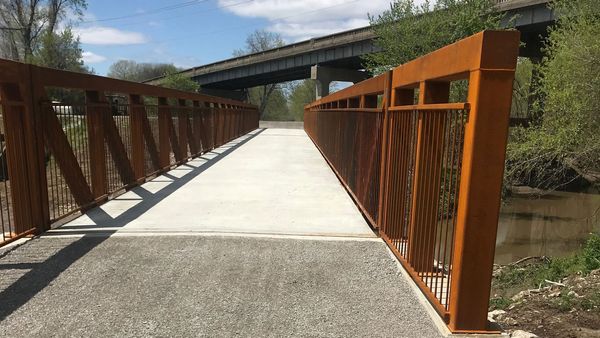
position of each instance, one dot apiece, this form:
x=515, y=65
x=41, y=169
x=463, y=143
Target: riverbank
x=550, y=297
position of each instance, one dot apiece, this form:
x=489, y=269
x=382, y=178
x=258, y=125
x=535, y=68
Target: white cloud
x=100, y=35
x=299, y=19
x=90, y=57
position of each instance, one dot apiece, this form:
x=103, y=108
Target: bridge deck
x=269, y=182
x=258, y=238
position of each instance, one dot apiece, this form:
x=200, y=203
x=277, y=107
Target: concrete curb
x=435, y=318
x=316, y=237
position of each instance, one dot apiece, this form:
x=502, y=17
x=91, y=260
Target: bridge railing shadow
x=17, y=287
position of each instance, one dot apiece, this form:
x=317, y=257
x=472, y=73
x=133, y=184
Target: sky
x=190, y=33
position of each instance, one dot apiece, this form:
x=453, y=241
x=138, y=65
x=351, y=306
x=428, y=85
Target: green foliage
x=61, y=51
x=285, y=102
x=75, y=129
x=499, y=303
x=552, y=269
x=408, y=31
x=27, y=23
x=179, y=81
x=522, y=95
x=302, y=94
x=568, y=301
x=275, y=108
x=138, y=72
x=564, y=302
x=591, y=254
x=591, y=302
x=563, y=145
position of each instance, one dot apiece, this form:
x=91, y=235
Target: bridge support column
x=326, y=75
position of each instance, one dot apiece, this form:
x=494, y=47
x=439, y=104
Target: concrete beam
x=240, y=95
x=326, y=75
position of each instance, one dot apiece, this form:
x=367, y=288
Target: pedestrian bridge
x=235, y=242
x=166, y=213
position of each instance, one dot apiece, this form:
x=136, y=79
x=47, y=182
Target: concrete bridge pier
x=326, y=75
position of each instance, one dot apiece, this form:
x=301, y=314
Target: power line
x=250, y=25
x=150, y=12
x=169, y=18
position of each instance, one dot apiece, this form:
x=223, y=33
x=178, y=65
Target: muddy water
x=554, y=224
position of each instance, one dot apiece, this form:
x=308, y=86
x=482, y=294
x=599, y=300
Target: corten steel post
x=136, y=124
x=40, y=208
x=486, y=133
x=385, y=104
x=183, y=120
x=164, y=138
x=197, y=132
x=207, y=117
x=189, y=132
x=20, y=139
x=96, y=107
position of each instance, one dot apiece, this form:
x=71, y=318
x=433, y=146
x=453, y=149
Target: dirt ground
x=565, y=309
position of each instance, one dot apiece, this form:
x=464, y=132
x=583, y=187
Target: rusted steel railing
x=425, y=171
x=104, y=137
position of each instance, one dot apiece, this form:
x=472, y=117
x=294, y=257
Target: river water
x=552, y=224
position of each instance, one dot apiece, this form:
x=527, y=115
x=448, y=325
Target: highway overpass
x=339, y=56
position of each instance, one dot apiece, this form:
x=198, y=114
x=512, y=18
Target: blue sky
x=195, y=32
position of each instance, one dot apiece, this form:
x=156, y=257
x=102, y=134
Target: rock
x=510, y=321
x=522, y=334
x=520, y=295
x=495, y=315
x=554, y=294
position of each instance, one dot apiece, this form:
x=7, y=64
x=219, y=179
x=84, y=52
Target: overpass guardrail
x=104, y=137
x=426, y=170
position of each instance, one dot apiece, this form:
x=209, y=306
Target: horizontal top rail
x=433, y=106
x=47, y=77
x=358, y=110
x=372, y=86
x=486, y=50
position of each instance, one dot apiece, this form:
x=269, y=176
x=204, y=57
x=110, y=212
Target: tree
x=176, y=80
x=25, y=23
x=407, y=31
x=562, y=147
x=302, y=94
x=259, y=41
x=275, y=108
x=60, y=51
x=138, y=72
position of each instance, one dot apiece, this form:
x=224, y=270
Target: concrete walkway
x=255, y=239
x=269, y=182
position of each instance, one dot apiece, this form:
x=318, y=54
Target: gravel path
x=172, y=286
